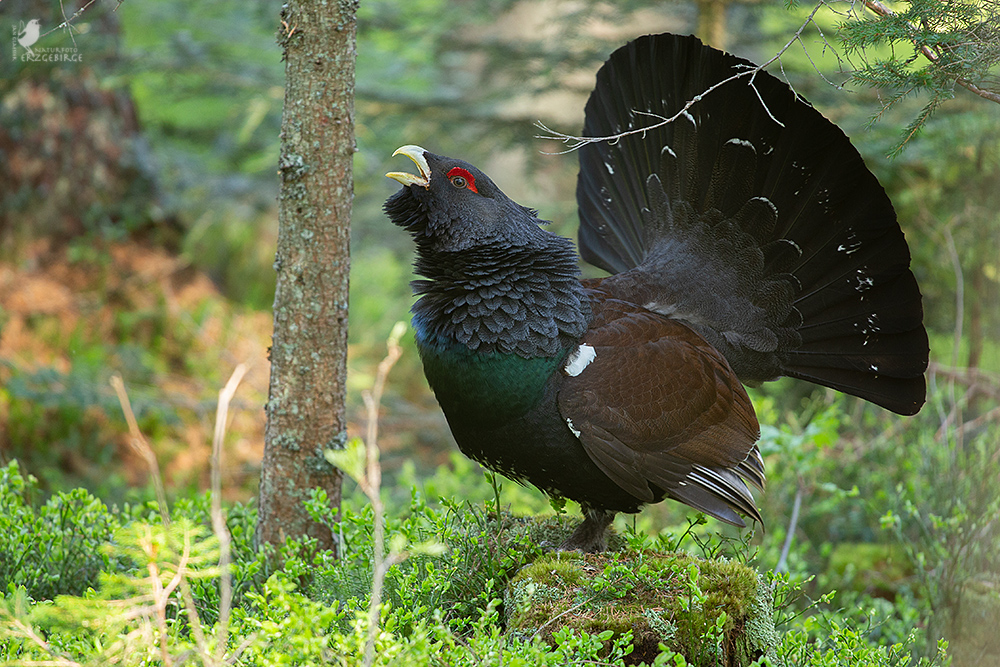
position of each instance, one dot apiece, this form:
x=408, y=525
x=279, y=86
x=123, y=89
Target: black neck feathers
x=523, y=299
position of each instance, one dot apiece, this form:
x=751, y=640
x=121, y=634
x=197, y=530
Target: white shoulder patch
x=579, y=359
x=576, y=431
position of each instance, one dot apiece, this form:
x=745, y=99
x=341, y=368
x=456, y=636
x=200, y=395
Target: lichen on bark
x=305, y=408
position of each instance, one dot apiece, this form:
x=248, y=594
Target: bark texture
x=712, y=22
x=305, y=408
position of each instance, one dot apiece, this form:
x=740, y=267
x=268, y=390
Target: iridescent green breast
x=485, y=388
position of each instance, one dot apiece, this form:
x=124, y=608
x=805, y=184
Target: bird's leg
x=591, y=535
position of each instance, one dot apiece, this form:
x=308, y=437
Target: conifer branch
x=883, y=11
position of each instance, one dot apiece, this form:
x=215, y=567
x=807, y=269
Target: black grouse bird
x=747, y=241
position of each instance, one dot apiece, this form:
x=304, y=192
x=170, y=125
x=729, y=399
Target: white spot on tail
x=848, y=249
x=740, y=142
x=610, y=169
x=852, y=245
x=579, y=359
x=773, y=208
x=576, y=432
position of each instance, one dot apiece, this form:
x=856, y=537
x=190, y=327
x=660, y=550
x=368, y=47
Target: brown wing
x=657, y=405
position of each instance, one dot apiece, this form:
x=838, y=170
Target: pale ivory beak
x=415, y=153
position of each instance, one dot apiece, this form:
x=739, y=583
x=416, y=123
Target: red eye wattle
x=461, y=178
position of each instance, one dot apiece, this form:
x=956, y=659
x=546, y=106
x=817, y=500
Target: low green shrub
x=51, y=548
x=119, y=587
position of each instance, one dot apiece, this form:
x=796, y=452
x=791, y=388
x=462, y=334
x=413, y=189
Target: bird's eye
x=462, y=178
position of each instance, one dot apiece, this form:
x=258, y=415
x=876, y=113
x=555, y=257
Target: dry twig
x=140, y=445
x=371, y=485
x=161, y=594
x=575, y=142
x=218, y=520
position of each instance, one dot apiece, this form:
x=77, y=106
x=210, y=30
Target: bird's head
x=452, y=206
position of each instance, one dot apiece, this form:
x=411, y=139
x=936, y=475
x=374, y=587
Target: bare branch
x=372, y=484
x=956, y=263
x=218, y=520
x=782, y=566
x=140, y=445
x=68, y=21
x=160, y=609
x=575, y=142
x=984, y=382
x=28, y=632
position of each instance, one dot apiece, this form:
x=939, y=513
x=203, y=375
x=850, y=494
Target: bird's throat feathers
x=496, y=282
x=524, y=300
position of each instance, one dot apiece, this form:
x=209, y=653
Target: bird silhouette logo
x=29, y=35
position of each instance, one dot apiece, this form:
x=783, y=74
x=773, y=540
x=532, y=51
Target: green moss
x=731, y=586
x=713, y=612
x=561, y=568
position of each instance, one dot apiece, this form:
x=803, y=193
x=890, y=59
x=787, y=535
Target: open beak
x=415, y=153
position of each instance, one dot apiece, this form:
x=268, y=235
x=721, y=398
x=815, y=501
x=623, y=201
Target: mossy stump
x=713, y=612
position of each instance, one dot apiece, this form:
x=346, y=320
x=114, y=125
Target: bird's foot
x=591, y=536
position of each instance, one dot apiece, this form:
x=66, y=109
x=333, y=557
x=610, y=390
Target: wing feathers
x=660, y=412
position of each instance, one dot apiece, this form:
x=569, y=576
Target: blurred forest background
x=138, y=223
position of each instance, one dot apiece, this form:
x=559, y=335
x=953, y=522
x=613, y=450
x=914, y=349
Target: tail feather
x=888, y=306
x=901, y=395
x=751, y=217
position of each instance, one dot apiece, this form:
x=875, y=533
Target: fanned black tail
x=752, y=218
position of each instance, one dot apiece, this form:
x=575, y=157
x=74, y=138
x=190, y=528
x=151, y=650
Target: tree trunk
x=976, y=314
x=712, y=22
x=305, y=408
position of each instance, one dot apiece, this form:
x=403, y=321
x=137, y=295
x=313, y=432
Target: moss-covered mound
x=714, y=612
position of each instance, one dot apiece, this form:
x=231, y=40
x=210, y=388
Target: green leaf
x=352, y=459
